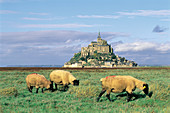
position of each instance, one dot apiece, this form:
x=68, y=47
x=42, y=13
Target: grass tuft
x=87, y=82
x=85, y=91
x=11, y=91
x=160, y=91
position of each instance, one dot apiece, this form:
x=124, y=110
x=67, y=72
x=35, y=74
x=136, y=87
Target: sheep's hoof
x=97, y=99
x=52, y=90
x=128, y=100
x=150, y=94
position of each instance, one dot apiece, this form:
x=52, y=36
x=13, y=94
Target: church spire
x=99, y=35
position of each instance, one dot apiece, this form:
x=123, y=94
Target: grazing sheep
x=60, y=77
x=37, y=81
x=118, y=84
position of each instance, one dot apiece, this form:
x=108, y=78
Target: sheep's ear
x=145, y=86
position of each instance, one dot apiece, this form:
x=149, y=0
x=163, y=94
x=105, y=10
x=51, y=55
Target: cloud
x=13, y=1
x=57, y=47
x=146, y=13
x=98, y=16
x=2, y=1
x=136, y=46
x=147, y=53
x=159, y=29
x=28, y=18
x=36, y=19
x=142, y=46
x=55, y=25
x=53, y=37
x=33, y=13
x=45, y=47
x=167, y=19
x=164, y=47
x=7, y=12
x=158, y=13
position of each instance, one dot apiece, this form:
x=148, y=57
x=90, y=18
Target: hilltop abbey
x=98, y=54
x=100, y=46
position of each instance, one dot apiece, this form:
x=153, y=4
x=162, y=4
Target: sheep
x=37, y=81
x=61, y=77
x=118, y=84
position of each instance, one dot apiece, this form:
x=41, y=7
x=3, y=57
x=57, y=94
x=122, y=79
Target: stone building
x=98, y=54
x=101, y=46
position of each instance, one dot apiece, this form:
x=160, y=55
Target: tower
x=99, y=39
x=99, y=35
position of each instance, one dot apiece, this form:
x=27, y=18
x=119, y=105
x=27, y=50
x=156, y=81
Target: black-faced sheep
x=118, y=84
x=37, y=81
x=60, y=77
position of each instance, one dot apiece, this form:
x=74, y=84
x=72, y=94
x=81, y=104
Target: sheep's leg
x=37, y=90
x=65, y=87
x=108, y=95
x=30, y=89
x=55, y=86
x=102, y=92
x=42, y=90
x=51, y=85
x=129, y=96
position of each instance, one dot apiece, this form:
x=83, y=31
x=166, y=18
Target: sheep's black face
x=145, y=89
x=76, y=82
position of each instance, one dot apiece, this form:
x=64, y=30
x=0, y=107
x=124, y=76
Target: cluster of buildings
x=106, y=59
x=100, y=46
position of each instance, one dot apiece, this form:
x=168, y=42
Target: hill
x=98, y=54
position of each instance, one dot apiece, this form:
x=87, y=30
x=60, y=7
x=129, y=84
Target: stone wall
x=100, y=46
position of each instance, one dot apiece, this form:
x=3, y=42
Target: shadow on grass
x=59, y=89
x=137, y=96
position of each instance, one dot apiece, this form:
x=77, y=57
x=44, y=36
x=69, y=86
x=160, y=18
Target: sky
x=49, y=32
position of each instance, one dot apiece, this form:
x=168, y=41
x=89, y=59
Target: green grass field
x=14, y=96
